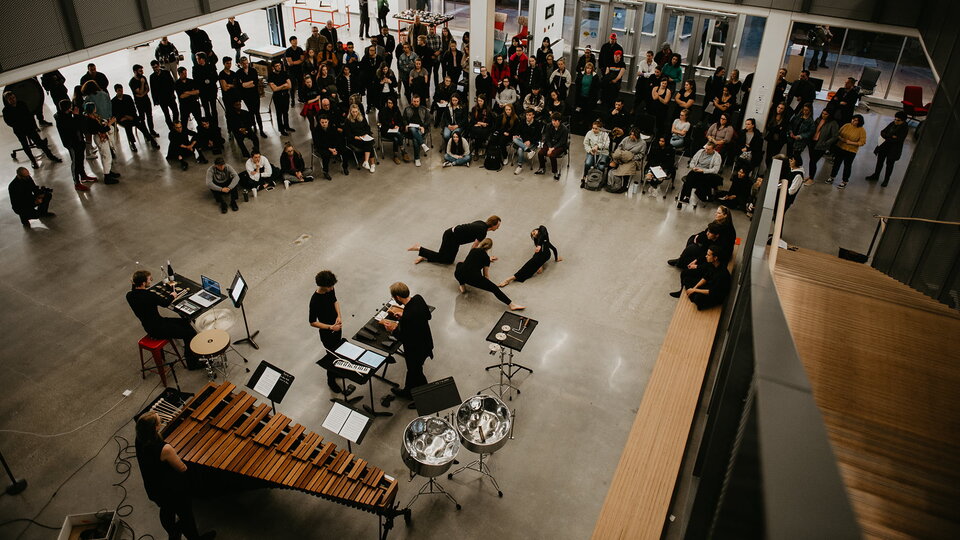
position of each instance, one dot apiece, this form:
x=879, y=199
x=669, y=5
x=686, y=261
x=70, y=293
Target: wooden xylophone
x=228, y=431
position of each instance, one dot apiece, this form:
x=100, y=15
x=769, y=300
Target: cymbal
x=219, y=319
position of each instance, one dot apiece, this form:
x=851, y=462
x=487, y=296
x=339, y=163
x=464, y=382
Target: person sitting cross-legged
x=183, y=146
x=259, y=174
x=222, y=180
x=292, y=165
x=458, y=151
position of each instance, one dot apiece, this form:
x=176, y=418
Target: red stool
x=156, y=348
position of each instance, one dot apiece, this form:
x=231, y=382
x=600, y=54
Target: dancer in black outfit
x=475, y=271
x=144, y=304
x=453, y=238
x=541, y=254
x=413, y=331
x=164, y=480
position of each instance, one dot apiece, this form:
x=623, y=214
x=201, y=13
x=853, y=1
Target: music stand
x=510, y=334
x=349, y=423
x=238, y=291
x=436, y=396
x=270, y=381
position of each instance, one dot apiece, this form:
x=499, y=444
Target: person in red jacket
x=500, y=71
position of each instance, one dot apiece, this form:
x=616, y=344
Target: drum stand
x=479, y=466
x=432, y=487
x=508, y=369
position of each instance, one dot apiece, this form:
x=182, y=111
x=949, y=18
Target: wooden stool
x=156, y=348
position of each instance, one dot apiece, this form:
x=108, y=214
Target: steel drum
x=429, y=447
x=483, y=423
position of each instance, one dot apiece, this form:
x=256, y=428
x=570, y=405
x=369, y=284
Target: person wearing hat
x=612, y=75
x=606, y=52
x=222, y=180
x=585, y=58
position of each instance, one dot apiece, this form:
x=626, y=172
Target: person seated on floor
x=183, y=146
x=527, y=138
x=555, y=139
x=703, y=175
x=292, y=166
x=739, y=193
x=726, y=238
x=392, y=128
x=209, y=137
x=596, y=145
x=240, y=123
x=259, y=174
x=661, y=155
x=458, y=151
x=417, y=119
x=712, y=284
x=626, y=159
x=28, y=200
x=329, y=143
x=222, y=180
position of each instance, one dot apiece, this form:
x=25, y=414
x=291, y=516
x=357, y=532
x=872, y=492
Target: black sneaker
x=326, y=176
x=183, y=165
x=540, y=171
x=674, y=262
x=223, y=209
x=233, y=206
x=334, y=387
x=676, y=294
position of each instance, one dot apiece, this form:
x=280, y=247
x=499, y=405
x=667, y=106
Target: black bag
x=594, y=179
x=616, y=184
x=493, y=160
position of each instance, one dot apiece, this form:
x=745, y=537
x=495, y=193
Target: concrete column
x=481, y=39
x=773, y=47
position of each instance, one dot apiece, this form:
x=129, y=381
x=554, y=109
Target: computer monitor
x=209, y=285
x=238, y=289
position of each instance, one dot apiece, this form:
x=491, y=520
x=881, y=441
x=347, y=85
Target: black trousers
x=209, y=104
x=76, y=163
x=364, y=22
x=382, y=18
x=326, y=156
x=33, y=137
x=129, y=126
x=480, y=282
x=415, y=376
x=170, y=112
x=188, y=108
x=239, y=137
x=176, y=516
x=221, y=197
x=296, y=81
x=529, y=268
x=447, y=252
x=37, y=211
x=281, y=108
x=331, y=340
x=884, y=157
x=252, y=103
x=170, y=328
x=145, y=111
x=815, y=156
x=702, y=182
x=845, y=159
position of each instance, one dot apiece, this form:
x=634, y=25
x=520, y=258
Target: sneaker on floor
x=80, y=187
x=828, y=180
x=518, y=170
x=842, y=185
x=417, y=162
x=425, y=147
x=396, y=160
x=365, y=165
x=540, y=171
x=373, y=168
x=446, y=164
x=506, y=160
x=556, y=176
x=183, y=165
x=467, y=163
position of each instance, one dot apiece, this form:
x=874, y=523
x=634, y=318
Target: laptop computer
x=208, y=294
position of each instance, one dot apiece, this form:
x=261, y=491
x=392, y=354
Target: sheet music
x=353, y=427
x=393, y=130
x=658, y=172
x=412, y=125
x=366, y=138
x=336, y=418
x=267, y=381
x=349, y=350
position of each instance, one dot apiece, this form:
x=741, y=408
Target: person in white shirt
x=703, y=176
x=259, y=174
x=646, y=78
x=795, y=176
x=596, y=144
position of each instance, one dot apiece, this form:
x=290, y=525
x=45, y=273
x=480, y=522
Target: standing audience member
x=168, y=56
x=659, y=101
x=28, y=200
x=673, y=71
x=280, y=85
x=561, y=79
x=820, y=38
x=250, y=92
x=825, y=133
x=852, y=136
x=236, y=36
x=586, y=89
x=206, y=78
x=800, y=131
x=162, y=91
x=607, y=52
x=70, y=127
x=188, y=96
x=222, y=181
x=776, y=135
x=98, y=131
x=544, y=50
x=316, y=42
x=93, y=75
x=21, y=120
x=892, y=146
x=801, y=91
x=845, y=100
x=140, y=89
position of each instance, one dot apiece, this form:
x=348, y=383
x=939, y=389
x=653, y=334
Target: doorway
x=704, y=39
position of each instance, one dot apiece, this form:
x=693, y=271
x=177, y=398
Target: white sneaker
x=447, y=164
x=254, y=191
x=366, y=165
x=373, y=168
x=505, y=160
x=417, y=162
x=425, y=147
x=518, y=170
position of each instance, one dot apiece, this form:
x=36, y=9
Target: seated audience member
x=526, y=138
x=555, y=138
x=258, y=173
x=329, y=143
x=596, y=145
x=534, y=101
x=505, y=126
x=359, y=137
x=481, y=123
x=209, y=137
x=392, y=128
x=292, y=166
x=417, y=119
x=453, y=117
x=222, y=180
x=751, y=151
x=661, y=155
x=240, y=122
x=629, y=154
x=703, y=175
x=125, y=111
x=183, y=146
x=739, y=193
x=458, y=151
x=680, y=129
x=724, y=103
x=726, y=238
x=506, y=95
x=28, y=200
x=709, y=283
x=692, y=256
x=556, y=105
x=721, y=133
x=617, y=118
x=441, y=98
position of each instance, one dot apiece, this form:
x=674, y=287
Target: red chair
x=156, y=348
x=913, y=102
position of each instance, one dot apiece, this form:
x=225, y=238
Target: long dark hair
x=147, y=428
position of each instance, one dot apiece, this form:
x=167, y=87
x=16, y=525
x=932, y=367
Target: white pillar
x=773, y=47
x=481, y=39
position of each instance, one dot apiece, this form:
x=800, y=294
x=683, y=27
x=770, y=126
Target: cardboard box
x=75, y=524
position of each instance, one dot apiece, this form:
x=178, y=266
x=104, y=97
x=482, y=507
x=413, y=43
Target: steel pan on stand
x=483, y=423
x=430, y=445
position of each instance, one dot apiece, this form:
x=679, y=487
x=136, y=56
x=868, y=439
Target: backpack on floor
x=493, y=160
x=616, y=184
x=593, y=180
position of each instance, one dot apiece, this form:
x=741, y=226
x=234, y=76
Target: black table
x=361, y=379
x=191, y=287
x=516, y=338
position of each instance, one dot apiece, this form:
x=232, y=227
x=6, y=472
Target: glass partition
x=867, y=50
x=912, y=71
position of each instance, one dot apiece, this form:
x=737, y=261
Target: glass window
x=589, y=31
x=867, y=50
x=750, y=44
x=649, y=40
x=913, y=71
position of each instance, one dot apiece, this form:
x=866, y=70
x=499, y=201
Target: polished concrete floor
x=70, y=339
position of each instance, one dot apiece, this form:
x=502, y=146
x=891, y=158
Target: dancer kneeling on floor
x=475, y=271
x=541, y=254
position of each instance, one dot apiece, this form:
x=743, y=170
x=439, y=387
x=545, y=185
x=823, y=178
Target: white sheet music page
x=336, y=418
x=354, y=426
x=267, y=381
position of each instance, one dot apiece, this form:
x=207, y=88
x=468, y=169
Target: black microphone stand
x=16, y=486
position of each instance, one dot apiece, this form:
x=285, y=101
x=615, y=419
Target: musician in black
x=325, y=317
x=141, y=98
x=144, y=304
x=164, y=480
x=206, y=79
x=250, y=91
x=188, y=95
x=413, y=331
x=162, y=92
x=236, y=36
x=453, y=238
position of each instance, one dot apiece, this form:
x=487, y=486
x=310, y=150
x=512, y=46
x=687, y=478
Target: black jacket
x=23, y=194
x=530, y=132
x=123, y=106
x=555, y=137
x=285, y=166
x=161, y=87
x=413, y=330
x=239, y=119
x=327, y=138
x=70, y=128
x=19, y=118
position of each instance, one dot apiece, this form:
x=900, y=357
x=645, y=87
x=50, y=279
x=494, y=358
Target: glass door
x=589, y=30
x=704, y=39
x=624, y=22
x=678, y=30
